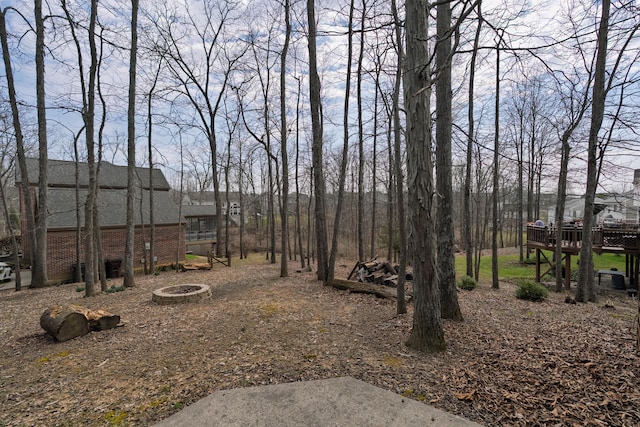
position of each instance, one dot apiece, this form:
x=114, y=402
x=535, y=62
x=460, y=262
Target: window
x=234, y=209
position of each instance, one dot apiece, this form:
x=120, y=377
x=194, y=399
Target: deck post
x=627, y=267
x=537, y=265
x=567, y=271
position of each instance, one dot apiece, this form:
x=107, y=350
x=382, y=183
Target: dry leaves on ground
x=510, y=362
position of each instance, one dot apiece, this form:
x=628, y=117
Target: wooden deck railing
x=606, y=239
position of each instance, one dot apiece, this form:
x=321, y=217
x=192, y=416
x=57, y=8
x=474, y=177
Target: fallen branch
x=367, y=288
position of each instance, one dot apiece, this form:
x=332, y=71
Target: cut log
x=65, y=323
x=388, y=268
x=196, y=266
x=378, y=278
x=390, y=281
x=367, y=288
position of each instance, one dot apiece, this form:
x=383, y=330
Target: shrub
x=532, y=291
x=114, y=288
x=467, y=283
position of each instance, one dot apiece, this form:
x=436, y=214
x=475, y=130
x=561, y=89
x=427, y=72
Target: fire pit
x=180, y=294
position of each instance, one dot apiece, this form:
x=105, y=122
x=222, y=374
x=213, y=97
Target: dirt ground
x=510, y=362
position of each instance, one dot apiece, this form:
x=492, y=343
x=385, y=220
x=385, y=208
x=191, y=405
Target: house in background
x=111, y=200
x=610, y=209
x=199, y=210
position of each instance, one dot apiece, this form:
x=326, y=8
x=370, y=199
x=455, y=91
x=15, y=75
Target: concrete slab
x=332, y=402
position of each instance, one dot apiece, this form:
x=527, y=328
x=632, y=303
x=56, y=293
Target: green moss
x=115, y=418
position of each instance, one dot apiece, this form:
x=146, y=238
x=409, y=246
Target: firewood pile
x=378, y=272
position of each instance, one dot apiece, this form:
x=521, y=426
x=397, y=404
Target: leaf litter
x=509, y=363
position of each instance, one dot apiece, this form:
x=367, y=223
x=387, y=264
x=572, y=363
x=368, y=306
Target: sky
x=536, y=23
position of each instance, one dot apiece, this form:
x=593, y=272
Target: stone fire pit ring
x=181, y=294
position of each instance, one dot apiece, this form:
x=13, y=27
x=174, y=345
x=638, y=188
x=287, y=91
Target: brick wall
x=61, y=253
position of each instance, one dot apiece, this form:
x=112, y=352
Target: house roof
x=200, y=211
x=62, y=173
x=207, y=197
x=61, y=208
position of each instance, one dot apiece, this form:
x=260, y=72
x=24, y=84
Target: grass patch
x=510, y=267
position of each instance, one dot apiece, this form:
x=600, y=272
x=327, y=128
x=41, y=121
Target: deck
x=605, y=240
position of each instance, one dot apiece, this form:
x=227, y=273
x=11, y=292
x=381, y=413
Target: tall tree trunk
x=89, y=120
x=216, y=188
x=316, y=124
x=468, y=217
x=297, y=178
x=360, y=224
x=496, y=173
x=401, y=305
x=585, y=290
x=562, y=196
x=449, y=306
x=427, y=333
x=390, y=189
x=152, y=221
x=374, y=171
x=284, y=216
x=100, y=267
x=78, y=240
x=129, y=280
x=39, y=274
x=520, y=226
x=179, y=219
x=345, y=152
x=17, y=128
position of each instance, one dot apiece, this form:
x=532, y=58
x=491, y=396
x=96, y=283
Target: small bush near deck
x=532, y=291
x=467, y=283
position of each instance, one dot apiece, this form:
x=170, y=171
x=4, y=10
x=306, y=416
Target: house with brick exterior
x=62, y=221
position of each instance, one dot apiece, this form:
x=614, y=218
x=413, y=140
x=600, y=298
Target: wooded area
x=550, y=94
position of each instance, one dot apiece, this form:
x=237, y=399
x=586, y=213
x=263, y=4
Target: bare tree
x=283, y=143
x=449, y=306
x=427, y=333
x=17, y=128
x=401, y=305
x=360, y=222
x=195, y=76
x=496, y=171
x=39, y=276
x=129, y=280
x=585, y=290
x=468, y=240
x=88, y=117
x=316, y=124
x=345, y=149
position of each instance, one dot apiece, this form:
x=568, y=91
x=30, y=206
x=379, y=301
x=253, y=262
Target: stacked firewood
x=378, y=272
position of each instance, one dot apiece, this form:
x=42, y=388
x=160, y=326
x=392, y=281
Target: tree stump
x=65, y=323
